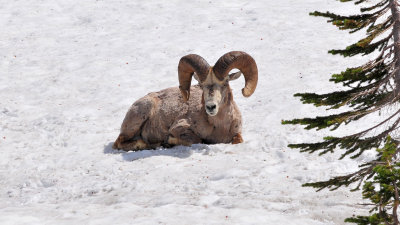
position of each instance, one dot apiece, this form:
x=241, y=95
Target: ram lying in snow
x=204, y=113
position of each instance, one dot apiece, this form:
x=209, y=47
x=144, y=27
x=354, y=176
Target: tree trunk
x=396, y=37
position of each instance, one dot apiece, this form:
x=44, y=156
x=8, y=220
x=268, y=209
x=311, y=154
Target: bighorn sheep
x=203, y=113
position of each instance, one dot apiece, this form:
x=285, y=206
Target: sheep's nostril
x=211, y=107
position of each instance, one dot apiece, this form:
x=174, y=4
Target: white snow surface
x=69, y=70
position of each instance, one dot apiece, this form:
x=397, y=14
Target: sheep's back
x=169, y=107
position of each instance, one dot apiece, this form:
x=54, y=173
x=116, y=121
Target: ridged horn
x=243, y=62
x=187, y=66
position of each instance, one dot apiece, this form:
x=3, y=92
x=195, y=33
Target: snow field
x=69, y=71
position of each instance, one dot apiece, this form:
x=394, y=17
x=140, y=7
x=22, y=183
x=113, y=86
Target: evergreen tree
x=368, y=89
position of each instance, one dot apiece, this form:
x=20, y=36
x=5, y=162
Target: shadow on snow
x=177, y=151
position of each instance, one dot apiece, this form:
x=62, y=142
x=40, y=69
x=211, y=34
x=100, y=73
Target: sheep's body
x=204, y=113
x=164, y=119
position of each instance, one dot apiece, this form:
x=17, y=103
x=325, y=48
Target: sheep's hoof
x=176, y=141
x=137, y=145
x=237, y=139
x=117, y=143
x=133, y=145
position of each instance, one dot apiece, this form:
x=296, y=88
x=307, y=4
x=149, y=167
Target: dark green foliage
x=360, y=75
x=321, y=122
x=352, y=144
x=364, y=47
x=368, y=89
x=382, y=190
x=380, y=4
x=374, y=219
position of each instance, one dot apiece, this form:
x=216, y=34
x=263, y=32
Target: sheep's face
x=215, y=92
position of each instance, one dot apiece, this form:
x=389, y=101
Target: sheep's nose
x=211, y=107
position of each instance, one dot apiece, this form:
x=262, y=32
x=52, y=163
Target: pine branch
x=337, y=182
x=362, y=47
x=355, y=22
x=352, y=143
x=322, y=122
x=380, y=4
x=335, y=120
x=373, y=70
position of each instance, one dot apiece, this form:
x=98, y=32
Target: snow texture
x=69, y=71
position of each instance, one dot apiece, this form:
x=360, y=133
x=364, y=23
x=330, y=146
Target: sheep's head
x=215, y=80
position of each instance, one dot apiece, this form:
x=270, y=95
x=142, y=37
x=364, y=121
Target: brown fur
x=237, y=139
x=164, y=119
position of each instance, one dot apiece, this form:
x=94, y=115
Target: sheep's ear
x=234, y=76
x=196, y=77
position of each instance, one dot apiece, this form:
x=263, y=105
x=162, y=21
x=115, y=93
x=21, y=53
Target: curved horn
x=187, y=66
x=243, y=62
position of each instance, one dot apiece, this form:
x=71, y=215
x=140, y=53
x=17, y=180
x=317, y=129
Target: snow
x=69, y=71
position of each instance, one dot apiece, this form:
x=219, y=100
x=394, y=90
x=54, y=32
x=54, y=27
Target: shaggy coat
x=164, y=119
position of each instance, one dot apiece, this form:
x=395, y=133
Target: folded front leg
x=181, y=134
